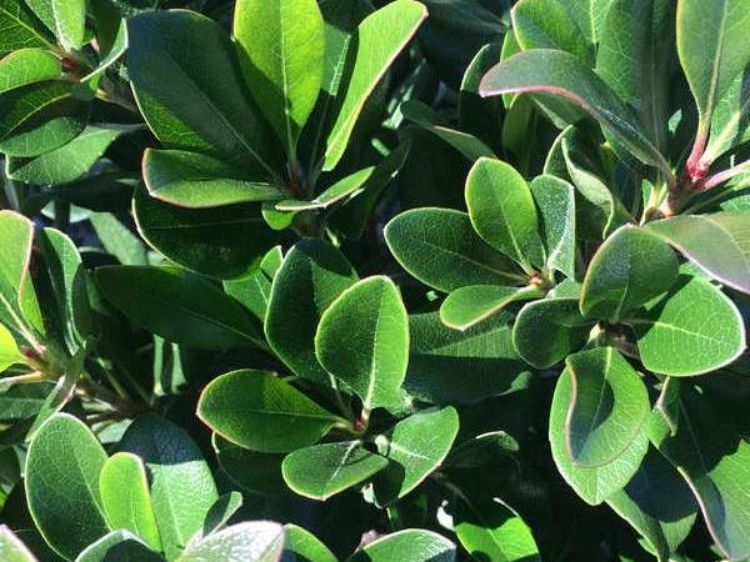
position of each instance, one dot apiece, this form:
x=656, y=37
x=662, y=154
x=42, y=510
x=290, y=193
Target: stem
x=34, y=376
x=696, y=167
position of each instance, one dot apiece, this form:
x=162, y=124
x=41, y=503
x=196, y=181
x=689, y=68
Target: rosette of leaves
x=611, y=264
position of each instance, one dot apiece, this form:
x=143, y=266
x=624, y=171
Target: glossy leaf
x=256, y=541
x=363, y=340
x=693, y=329
x=261, y=412
x=539, y=24
x=119, y=240
x=555, y=202
x=346, y=187
x=709, y=55
x=69, y=162
x=415, y=447
x=557, y=72
x=254, y=291
x=220, y=513
x=126, y=498
x=631, y=268
x=12, y=549
x=195, y=181
x=712, y=457
x=213, y=114
x=40, y=118
x=258, y=473
x=466, y=144
x=70, y=22
x=322, y=471
x=302, y=546
x=502, y=211
x=555, y=321
x=378, y=39
x=645, y=30
x=118, y=546
x=698, y=237
x=182, y=487
x=179, y=306
x=490, y=530
x=63, y=467
x=440, y=248
x=467, y=306
x=224, y=242
x=415, y=545
x=312, y=276
x=658, y=504
x=608, y=406
x=282, y=47
x=9, y=352
x=448, y=366
x=22, y=28
x=28, y=66
x=596, y=484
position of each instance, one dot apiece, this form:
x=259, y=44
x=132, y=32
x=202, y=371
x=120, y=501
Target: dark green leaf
x=555, y=201
x=21, y=28
x=467, y=306
x=118, y=546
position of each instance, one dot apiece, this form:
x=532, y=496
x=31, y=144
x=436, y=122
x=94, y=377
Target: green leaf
x=181, y=307
x=709, y=53
x=560, y=73
x=254, y=472
x=69, y=162
x=415, y=447
x=111, y=36
x=223, y=242
x=447, y=366
x=555, y=202
x=303, y=546
x=68, y=280
x=62, y=485
x=441, y=249
x=595, y=484
x=12, y=549
x=631, y=268
x=126, y=498
x=253, y=541
x=282, y=47
x=729, y=121
x=658, y=504
x=363, y=340
x=541, y=24
x=425, y=117
x=644, y=29
x=118, y=546
x=21, y=28
x=259, y=411
x=182, y=487
x=698, y=238
x=503, y=213
x=345, y=188
x=193, y=180
x=467, y=306
x=213, y=113
x=254, y=291
x=476, y=115
x=312, y=276
x=608, y=406
x=28, y=66
x=599, y=210
x=118, y=239
x=490, y=530
x=9, y=352
x=378, y=40
x=414, y=545
x=692, y=330
x=40, y=117
x=555, y=321
x=70, y=22
x=711, y=454
x=221, y=512
x=23, y=400
x=322, y=471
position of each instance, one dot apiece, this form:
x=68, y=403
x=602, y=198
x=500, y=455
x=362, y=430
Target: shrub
x=379, y=281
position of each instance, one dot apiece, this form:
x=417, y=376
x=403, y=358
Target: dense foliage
x=372, y=280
